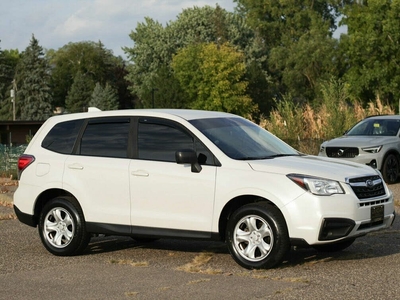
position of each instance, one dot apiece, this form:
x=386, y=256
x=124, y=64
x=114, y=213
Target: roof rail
x=93, y=109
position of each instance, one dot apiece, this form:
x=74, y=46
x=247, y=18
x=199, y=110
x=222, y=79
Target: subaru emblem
x=369, y=183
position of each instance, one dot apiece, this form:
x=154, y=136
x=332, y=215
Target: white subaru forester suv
x=153, y=174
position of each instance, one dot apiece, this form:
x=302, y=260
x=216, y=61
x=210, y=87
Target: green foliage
x=325, y=120
x=104, y=98
x=281, y=58
x=304, y=64
x=372, y=49
x=338, y=110
x=155, y=45
x=8, y=62
x=80, y=93
x=168, y=93
x=297, y=41
x=151, y=50
x=93, y=61
x=286, y=20
x=212, y=76
x=34, y=96
x=286, y=120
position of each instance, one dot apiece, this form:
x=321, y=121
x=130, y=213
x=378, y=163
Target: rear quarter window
x=61, y=138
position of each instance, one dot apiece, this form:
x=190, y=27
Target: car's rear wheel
x=257, y=236
x=390, y=169
x=62, y=227
x=335, y=247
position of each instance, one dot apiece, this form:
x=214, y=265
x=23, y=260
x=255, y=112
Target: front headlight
x=317, y=186
x=374, y=149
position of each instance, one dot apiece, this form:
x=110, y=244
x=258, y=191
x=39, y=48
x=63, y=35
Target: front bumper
x=319, y=220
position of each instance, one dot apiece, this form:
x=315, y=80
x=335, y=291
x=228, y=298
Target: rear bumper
x=26, y=218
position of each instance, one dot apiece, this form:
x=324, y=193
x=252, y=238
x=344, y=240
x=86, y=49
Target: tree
x=372, y=49
x=92, y=60
x=155, y=45
x=298, y=44
x=104, y=98
x=79, y=95
x=212, y=76
x=6, y=75
x=303, y=65
x=33, y=81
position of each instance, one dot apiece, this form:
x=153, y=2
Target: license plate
x=377, y=213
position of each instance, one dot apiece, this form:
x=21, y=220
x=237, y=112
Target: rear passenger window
x=62, y=137
x=107, y=138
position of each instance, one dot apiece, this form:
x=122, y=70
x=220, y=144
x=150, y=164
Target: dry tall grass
x=305, y=127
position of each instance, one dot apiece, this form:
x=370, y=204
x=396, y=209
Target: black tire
x=257, y=236
x=335, y=247
x=62, y=227
x=390, y=169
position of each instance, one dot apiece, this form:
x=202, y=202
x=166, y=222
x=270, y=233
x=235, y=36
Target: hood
x=315, y=166
x=359, y=141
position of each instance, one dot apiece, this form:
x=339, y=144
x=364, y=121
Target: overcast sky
x=55, y=23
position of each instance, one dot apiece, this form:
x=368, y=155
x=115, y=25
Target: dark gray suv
x=373, y=141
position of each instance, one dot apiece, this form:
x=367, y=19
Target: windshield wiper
x=265, y=157
x=253, y=157
x=282, y=155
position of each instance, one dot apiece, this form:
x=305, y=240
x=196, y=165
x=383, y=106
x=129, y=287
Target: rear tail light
x=23, y=162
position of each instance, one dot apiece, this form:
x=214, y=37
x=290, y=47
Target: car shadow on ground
x=378, y=244
x=115, y=243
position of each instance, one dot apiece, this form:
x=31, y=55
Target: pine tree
x=6, y=75
x=110, y=98
x=96, y=99
x=104, y=98
x=34, y=93
x=79, y=95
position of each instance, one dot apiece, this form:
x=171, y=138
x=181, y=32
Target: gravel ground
x=7, y=188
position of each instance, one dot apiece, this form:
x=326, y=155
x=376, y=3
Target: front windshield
x=241, y=139
x=376, y=127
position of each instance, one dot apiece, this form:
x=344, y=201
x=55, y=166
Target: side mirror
x=188, y=156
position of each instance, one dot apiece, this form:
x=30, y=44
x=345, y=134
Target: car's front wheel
x=257, y=236
x=390, y=169
x=62, y=227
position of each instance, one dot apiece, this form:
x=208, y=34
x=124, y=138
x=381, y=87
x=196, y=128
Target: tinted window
x=161, y=141
x=108, y=138
x=62, y=137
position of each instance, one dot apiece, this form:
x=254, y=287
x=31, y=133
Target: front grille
x=341, y=152
x=367, y=187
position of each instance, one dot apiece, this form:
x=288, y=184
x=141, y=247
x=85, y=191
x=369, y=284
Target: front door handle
x=75, y=166
x=141, y=173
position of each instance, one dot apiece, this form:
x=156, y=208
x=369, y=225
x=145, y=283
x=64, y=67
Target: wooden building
x=17, y=133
